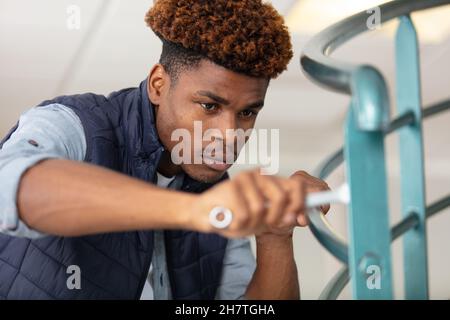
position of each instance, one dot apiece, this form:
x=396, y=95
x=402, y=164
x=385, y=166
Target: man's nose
x=227, y=123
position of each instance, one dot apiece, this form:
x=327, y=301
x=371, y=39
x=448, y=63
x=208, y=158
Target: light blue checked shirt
x=59, y=134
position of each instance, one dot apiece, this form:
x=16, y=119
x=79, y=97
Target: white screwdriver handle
x=340, y=195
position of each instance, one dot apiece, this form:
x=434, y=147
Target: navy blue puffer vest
x=121, y=135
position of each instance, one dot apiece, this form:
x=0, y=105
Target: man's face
x=219, y=99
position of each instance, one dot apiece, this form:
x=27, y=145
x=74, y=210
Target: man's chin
x=203, y=173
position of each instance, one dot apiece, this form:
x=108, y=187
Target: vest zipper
x=151, y=246
x=144, y=276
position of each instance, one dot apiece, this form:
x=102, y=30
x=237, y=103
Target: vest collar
x=150, y=137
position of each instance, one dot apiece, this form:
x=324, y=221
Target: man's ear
x=157, y=84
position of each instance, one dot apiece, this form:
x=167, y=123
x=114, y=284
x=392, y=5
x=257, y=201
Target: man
x=81, y=217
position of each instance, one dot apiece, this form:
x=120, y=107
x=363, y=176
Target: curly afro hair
x=245, y=36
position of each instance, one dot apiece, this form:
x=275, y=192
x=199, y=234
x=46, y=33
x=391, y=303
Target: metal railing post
x=411, y=159
x=369, y=236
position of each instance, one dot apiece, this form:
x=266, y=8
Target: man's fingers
x=310, y=188
x=241, y=217
x=263, y=203
x=312, y=184
x=276, y=198
x=297, y=193
x=254, y=198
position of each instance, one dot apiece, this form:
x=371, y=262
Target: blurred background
x=42, y=57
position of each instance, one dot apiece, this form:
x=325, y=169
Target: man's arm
x=68, y=198
x=276, y=272
x=272, y=276
x=47, y=189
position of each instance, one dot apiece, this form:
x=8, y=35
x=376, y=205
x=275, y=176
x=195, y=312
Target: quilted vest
x=120, y=135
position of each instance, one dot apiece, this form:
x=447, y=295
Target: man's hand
x=309, y=184
x=261, y=204
x=269, y=207
x=312, y=184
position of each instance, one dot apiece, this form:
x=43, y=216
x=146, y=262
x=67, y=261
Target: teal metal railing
x=367, y=256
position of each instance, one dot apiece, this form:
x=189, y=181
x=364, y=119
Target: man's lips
x=216, y=164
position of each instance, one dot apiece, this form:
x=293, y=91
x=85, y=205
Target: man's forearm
x=68, y=198
x=275, y=276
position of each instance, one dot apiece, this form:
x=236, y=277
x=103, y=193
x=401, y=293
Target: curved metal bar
x=335, y=286
x=436, y=108
x=337, y=158
x=438, y=206
x=319, y=226
x=410, y=222
x=330, y=164
x=337, y=75
x=404, y=120
x=325, y=234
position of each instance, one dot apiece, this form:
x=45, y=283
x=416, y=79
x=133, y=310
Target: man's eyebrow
x=218, y=99
x=258, y=104
x=214, y=97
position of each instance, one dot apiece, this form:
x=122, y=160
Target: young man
x=85, y=210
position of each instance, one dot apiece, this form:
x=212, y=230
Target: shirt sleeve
x=52, y=131
x=239, y=264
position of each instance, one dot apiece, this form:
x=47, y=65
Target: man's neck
x=166, y=167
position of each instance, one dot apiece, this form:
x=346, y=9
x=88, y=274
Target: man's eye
x=209, y=106
x=248, y=113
